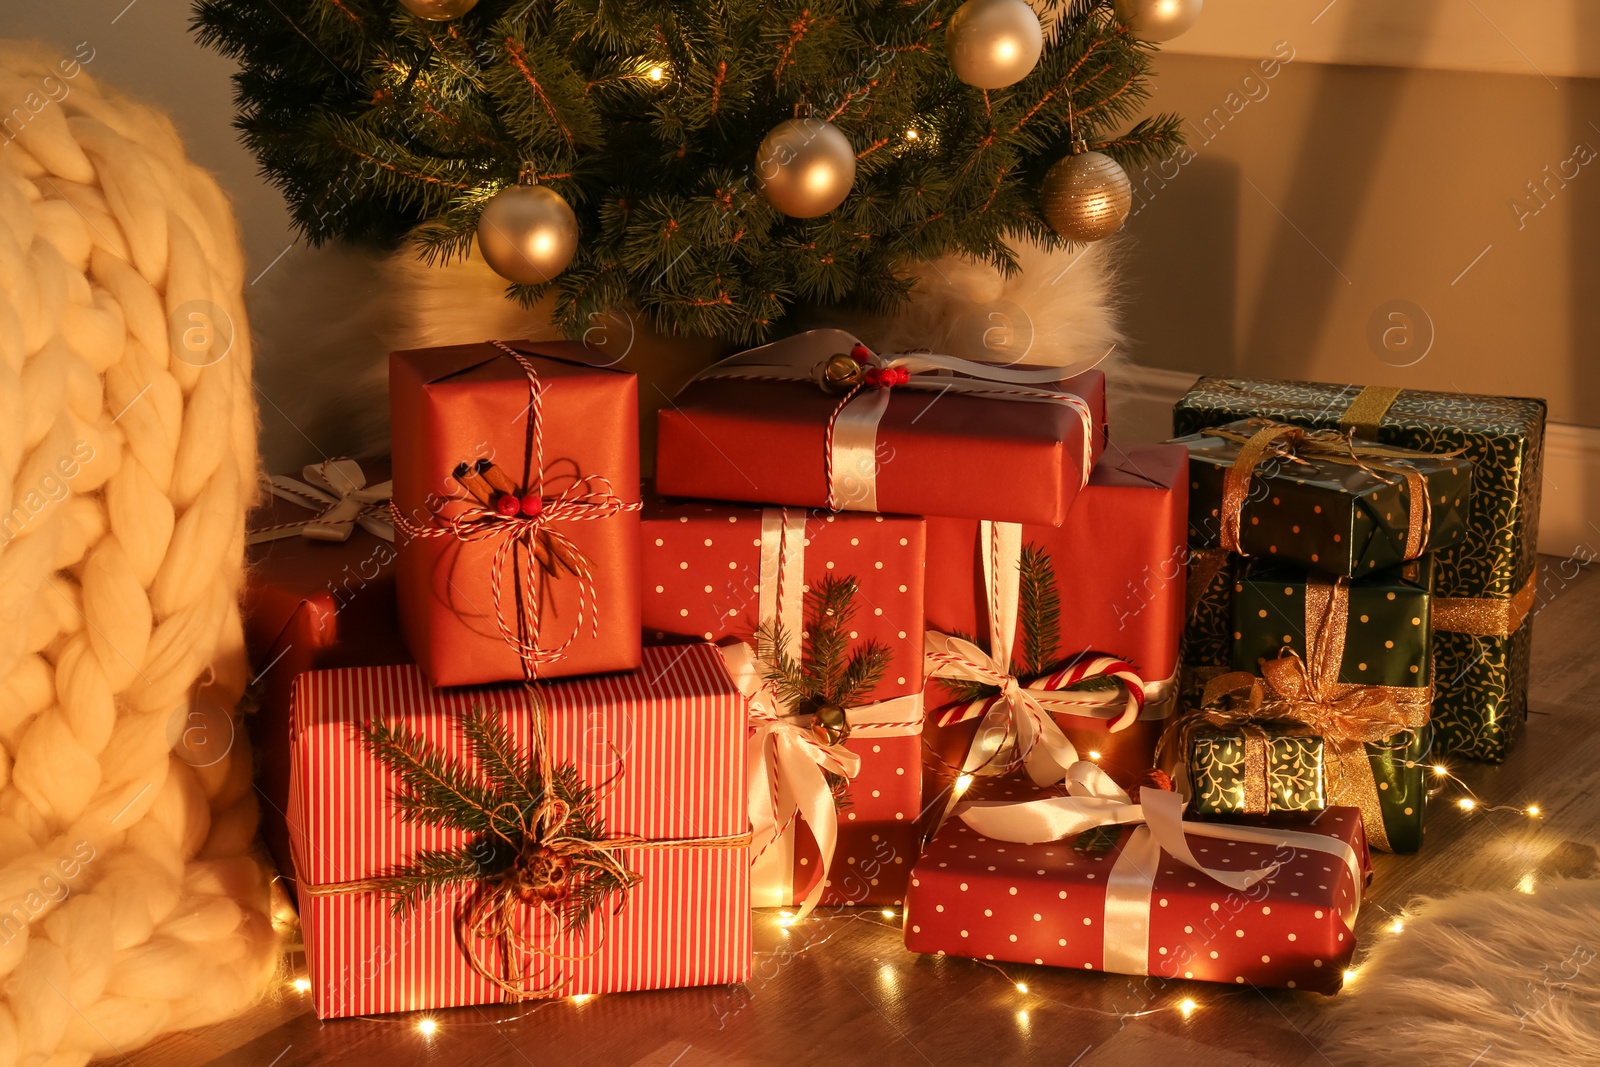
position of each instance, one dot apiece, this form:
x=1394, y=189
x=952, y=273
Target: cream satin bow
x=788, y=767
x=1095, y=800
x=338, y=487
x=1019, y=721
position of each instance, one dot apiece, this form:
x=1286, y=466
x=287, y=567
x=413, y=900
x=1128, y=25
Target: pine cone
x=1154, y=778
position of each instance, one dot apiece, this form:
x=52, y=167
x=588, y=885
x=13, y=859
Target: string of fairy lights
x=1182, y=1002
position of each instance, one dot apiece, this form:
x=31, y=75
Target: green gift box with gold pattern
x=1270, y=490
x=1484, y=585
x=1346, y=661
x=1256, y=769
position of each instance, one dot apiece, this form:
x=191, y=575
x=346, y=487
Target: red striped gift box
x=671, y=733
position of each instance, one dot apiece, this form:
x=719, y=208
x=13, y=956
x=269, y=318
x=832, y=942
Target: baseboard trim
x=1569, y=519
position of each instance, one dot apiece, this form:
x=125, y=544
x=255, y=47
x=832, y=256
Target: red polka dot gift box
x=593, y=841
x=1136, y=889
x=834, y=809
x=820, y=420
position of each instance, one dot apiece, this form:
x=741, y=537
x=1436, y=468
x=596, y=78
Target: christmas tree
x=646, y=116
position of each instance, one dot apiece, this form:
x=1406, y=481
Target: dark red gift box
x=461, y=403
x=936, y=450
x=703, y=565
x=309, y=604
x=1047, y=903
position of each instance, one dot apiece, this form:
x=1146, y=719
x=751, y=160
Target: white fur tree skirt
x=327, y=319
x=1483, y=979
x=130, y=901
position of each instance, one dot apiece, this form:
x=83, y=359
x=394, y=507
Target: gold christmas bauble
x=1158, y=20
x=438, y=10
x=805, y=167
x=993, y=43
x=1086, y=196
x=527, y=233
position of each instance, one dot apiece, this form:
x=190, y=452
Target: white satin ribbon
x=1095, y=800
x=339, y=488
x=788, y=766
x=1019, y=721
x=853, y=435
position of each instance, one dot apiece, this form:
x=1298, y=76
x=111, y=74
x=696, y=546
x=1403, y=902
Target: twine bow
x=850, y=443
x=337, y=490
x=1297, y=445
x=1017, y=727
x=533, y=545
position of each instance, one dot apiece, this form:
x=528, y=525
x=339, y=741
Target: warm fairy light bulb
x=1440, y=769
x=912, y=135
x=1093, y=754
x=1396, y=926
x=963, y=783
x=657, y=73
x=1187, y=1006
x=1350, y=974
x=582, y=998
x=888, y=913
x=427, y=1027
x=1467, y=803
x=1022, y=987
x=1533, y=810
x=1526, y=885
x=301, y=984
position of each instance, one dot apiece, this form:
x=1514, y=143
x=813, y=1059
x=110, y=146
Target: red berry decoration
x=532, y=506
x=860, y=353
x=507, y=504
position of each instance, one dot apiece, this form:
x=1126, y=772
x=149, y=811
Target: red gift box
x=312, y=602
x=664, y=748
x=1118, y=565
x=567, y=587
x=1133, y=908
x=1014, y=444
x=712, y=571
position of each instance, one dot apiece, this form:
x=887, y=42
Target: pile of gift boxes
x=896, y=630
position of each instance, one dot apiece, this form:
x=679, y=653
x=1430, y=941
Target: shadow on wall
x=1182, y=279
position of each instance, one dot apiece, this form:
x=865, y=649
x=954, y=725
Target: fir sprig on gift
x=1037, y=647
x=501, y=803
x=831, y=675
x=829, y=670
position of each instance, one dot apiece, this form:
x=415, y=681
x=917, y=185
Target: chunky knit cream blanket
x=130, y=902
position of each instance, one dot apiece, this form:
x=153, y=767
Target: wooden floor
x=842, y=990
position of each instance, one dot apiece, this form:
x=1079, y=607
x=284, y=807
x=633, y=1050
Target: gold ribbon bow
x=1308, y=692
x=536, y=545
x=337, y=490
x=850, y=447
x=1295, y=444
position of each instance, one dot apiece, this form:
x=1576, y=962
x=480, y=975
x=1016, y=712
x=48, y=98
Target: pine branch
x=1038, y=611
x=436, y=788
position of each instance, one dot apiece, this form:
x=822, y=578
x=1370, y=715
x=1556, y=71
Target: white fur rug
x=1482, y=979
x=130, y=899
x=326, y=320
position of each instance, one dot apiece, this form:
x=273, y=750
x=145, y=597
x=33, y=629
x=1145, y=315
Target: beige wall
x=1317, y=197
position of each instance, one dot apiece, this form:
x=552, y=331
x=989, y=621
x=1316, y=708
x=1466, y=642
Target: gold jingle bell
x=830, y=724
x=839, y=373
